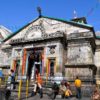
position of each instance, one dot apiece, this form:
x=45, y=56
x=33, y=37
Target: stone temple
x=55, y=47
x=4, y=61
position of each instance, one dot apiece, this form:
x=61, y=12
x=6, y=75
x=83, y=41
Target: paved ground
x=37, y=97
x=45, y=97
x=58, y=98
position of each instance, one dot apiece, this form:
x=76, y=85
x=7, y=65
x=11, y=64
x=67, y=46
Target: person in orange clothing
x=38, y=86
x=39, y=80
x=78, y=87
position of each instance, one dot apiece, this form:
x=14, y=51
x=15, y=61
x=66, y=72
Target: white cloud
x=97, y=33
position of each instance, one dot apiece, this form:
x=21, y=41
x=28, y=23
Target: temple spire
x=39, y=11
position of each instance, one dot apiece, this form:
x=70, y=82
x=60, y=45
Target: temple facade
x=54, y=47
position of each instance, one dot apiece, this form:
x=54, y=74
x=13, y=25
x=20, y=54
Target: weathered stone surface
x=79, y=54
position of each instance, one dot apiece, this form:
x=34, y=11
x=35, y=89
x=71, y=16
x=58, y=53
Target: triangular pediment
x=45, y=26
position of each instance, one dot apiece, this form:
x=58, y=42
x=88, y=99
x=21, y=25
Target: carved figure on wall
x=52, y=49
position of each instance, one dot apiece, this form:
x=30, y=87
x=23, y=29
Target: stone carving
x=80, y=35
x=48, y=25
x=17, y=53
x=44, y=36
x=53, y=35
x=52, y=49
x=42, y=28
x=34, y=29
x=45, y=28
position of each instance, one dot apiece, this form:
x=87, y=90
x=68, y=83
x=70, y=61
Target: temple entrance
x=34, y=62
x=30, y=65
x=37, y=66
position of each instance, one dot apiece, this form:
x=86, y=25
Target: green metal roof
x=62, y=20
x=97, y=36
x=69, y=21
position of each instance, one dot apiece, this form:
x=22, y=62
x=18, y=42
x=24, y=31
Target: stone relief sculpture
x=17, y=53
x=80, y=35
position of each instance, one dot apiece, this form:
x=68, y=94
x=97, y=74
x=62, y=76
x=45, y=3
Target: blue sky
x=16, y=13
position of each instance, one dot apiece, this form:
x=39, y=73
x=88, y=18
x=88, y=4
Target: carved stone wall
x=80, y=35
x=57, y=55
x=79, y=54
x=5, y=57
x=45, y=27
x=83, y=73
x=97, y=61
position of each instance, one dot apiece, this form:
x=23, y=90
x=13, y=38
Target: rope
x=93, y=8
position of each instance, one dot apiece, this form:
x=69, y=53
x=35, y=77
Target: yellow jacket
x=78, y=83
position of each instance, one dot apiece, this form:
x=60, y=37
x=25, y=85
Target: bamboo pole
x=0, y=81
x=27, y=84
x=19, y=90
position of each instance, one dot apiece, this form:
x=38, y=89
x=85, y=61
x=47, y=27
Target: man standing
x=78, y=87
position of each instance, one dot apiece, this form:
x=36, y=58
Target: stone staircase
x=86, y=90
x=14, y=92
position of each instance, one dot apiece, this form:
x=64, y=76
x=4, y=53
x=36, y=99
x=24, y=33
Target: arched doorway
x=34, y=63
